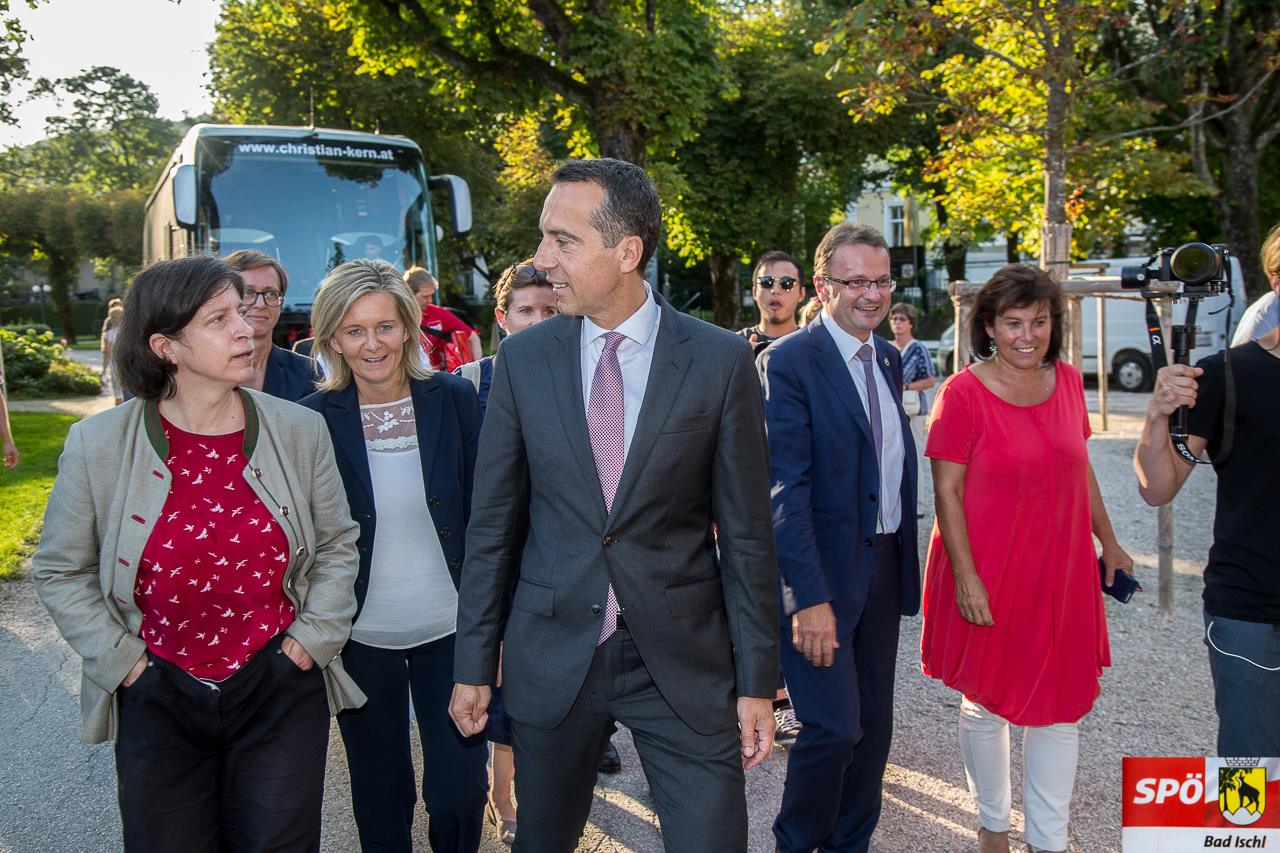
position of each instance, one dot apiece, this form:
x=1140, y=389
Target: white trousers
x=1049, y=757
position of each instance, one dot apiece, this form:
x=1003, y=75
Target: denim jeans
x=1244, y=659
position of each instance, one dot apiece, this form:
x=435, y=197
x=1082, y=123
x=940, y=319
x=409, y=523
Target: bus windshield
x=312, y=204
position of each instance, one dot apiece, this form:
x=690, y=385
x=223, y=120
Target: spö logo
x=1242, y=793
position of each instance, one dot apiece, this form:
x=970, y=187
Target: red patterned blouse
x=211, y=581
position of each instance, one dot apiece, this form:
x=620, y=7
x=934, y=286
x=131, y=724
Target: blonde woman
x=406, y=445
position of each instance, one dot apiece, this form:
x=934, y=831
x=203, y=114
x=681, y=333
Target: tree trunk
x=954, y=252
x=610, y=114
x=61, y=271
x=1055, y=247
x=1011, y=253
x=726, y=289
x=1237, y=203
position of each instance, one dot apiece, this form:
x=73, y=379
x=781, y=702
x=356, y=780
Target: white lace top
x=411, y=599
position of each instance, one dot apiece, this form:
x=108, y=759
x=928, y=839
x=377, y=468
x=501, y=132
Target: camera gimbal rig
x=1203, y=271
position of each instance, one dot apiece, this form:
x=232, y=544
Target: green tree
x=13, y=65
x=110, y=139
x=634, y=78
x=1041, y=134
x=60, y=227
x=1214, y=66
x=774, y=161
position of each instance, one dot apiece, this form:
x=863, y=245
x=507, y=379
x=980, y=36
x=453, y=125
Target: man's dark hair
x=774, y=256
x=161, y=301
x=244, y=260
x=1016, y=286
x=630, y=205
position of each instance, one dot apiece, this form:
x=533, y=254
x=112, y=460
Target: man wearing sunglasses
x=777, y=285
x=843, y=469
x=276, y=371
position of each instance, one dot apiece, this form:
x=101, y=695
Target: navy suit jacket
x=289, y=376
x=448, y=425
x=826, y=479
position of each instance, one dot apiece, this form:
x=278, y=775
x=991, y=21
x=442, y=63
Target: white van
x=1128, y=350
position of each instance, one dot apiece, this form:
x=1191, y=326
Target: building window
x=895, y=223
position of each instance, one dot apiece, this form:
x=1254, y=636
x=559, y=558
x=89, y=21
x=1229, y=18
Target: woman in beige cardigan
x=199, y=555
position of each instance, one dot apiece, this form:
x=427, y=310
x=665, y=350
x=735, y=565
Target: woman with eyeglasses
x=199, y=555
x=918, y=374
x=276, y=370
x=406, y=447
x=777, y=287
x=524, y=298
x=1013, y=614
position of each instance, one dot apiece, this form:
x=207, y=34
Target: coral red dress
x=1026, y=506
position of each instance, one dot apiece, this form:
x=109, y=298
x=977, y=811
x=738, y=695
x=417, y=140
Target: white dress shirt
x=891, y=464
x=635, y=357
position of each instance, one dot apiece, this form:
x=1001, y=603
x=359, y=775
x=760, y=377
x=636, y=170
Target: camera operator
x=1242, y=578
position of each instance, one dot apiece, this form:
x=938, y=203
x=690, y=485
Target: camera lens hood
x=1195, y=264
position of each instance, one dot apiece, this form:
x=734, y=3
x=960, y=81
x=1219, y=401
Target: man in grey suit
x=628, y=440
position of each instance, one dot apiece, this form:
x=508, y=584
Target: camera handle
x=1183, y=341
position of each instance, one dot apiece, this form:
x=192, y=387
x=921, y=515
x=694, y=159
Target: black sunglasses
x=786, y=282
x=527, y=274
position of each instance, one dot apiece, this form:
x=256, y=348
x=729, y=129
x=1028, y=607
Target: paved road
x=1156, y=700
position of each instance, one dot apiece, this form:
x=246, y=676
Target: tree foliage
x=1215, y=72
x=615, y=67
x=60, y=227
x=774, y=160
x=13, y=65
x=1034, y=126
x=107, y=136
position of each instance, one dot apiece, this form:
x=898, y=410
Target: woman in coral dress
x=1013, y=613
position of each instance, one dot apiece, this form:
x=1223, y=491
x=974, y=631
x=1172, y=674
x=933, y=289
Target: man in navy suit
x=843, y=469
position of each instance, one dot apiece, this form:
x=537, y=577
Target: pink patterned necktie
x=607, y=426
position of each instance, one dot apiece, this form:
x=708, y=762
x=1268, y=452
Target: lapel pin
x=886, y=362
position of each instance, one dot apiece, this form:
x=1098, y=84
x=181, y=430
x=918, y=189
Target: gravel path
x=1156, y=700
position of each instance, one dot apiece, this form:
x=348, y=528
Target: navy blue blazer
x=825, y=476
x=448, y=423
x=289, y=376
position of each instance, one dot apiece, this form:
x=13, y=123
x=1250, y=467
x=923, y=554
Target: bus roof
x=185, y=152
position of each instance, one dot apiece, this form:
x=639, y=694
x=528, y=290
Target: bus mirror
x=460, y=196
x=184, y=195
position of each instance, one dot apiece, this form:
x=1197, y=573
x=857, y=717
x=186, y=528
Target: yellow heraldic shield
x=1242, y=793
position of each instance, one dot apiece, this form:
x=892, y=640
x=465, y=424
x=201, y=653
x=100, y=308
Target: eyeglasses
x=888, y=285
x=766, y=282
x=527, y=274
x=270, y=298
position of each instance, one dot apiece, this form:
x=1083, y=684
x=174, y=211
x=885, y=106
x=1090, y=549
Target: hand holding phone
x=1122, y=588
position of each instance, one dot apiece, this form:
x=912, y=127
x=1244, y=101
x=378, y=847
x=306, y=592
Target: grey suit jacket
x=704, y=621
x=111, y=486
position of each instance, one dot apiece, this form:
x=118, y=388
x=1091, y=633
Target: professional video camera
x=1201, y=270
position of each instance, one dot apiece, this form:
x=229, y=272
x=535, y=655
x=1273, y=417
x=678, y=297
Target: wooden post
x=1104, y=371
x=1075, y=332
x=964, y=308
x=1164, y=513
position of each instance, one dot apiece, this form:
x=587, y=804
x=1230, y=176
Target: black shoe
x=610, y=762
